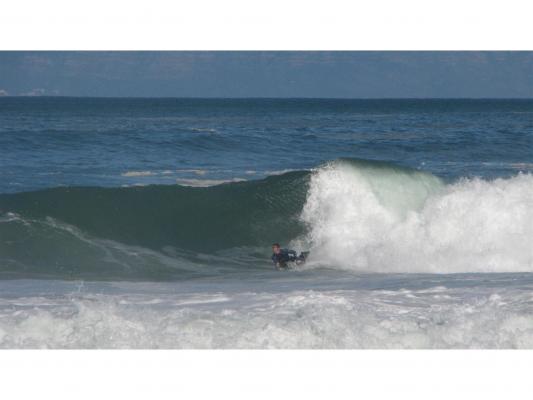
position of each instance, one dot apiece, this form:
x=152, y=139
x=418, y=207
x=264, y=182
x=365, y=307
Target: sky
x=268, y=74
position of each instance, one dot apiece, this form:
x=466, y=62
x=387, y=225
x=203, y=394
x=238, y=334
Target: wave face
x=147, y=232
x=356, y=215
x=379, y=218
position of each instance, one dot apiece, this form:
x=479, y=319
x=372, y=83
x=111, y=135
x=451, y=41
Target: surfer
x=280, y=257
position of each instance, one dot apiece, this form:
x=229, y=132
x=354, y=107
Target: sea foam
x=378, y=218
x=165, y=317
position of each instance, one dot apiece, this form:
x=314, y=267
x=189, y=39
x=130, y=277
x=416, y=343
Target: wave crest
x=380, y=218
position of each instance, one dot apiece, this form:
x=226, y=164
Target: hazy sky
x=268, y=74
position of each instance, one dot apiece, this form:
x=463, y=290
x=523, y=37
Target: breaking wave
x=357, y=215
x=381, y=218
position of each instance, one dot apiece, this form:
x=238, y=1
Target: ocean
x=147, y=223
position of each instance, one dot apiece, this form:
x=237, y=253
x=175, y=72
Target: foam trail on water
x=431, y=317
x=379, y=218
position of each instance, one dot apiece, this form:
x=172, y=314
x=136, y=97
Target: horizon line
x=260, y=97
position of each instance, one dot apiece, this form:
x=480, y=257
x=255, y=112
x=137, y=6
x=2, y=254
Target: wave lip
x=380, y=218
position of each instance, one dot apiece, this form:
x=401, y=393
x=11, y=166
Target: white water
x=399, y=314
x=381, y=219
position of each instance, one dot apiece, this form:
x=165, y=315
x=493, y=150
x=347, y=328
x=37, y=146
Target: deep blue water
x=49, y=142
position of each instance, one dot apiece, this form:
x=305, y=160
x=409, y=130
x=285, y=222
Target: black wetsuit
x=280, y=260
